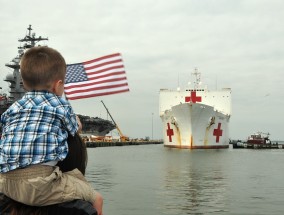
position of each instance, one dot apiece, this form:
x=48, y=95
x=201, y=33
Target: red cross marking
x=193, y=98
x=218, y=132
x=170, y=132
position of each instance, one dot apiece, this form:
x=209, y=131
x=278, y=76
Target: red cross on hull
x=170, y=132
x=193, y=98
x=218, y=132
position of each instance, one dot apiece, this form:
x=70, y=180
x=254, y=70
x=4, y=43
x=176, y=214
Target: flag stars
x=98, y=77
x=75, y=73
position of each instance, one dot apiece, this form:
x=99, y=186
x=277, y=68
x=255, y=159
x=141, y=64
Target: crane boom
x=109, y=113
x=122, y=137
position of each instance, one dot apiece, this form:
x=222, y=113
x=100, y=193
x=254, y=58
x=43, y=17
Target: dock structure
x=119, y=143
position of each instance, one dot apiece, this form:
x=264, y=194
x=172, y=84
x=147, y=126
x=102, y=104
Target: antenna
x=31, y=39
x=197, y=75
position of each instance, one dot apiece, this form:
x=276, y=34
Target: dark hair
x=11, y=207
x=75, y=207
x=76, y=158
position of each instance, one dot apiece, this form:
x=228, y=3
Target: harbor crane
x=122, y=137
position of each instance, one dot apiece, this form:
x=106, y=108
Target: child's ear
x=58, y=87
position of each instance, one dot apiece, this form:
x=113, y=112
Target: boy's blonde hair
x=41, y=66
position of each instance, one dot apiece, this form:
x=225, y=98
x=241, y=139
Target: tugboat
x=94, y=125
x=258, y=140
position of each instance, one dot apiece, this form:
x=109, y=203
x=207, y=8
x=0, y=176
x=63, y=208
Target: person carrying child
x=34, y=137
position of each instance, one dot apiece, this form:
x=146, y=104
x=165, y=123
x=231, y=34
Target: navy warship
x=91, y=125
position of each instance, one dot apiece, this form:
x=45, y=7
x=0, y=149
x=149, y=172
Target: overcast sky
x=234, y=43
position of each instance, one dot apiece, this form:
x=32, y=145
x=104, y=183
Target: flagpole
x=152, y=126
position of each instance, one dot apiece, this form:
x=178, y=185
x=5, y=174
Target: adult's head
x=43, y=68
x=77, y=156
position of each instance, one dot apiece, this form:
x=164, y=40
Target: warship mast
x=92, y=125
x=15, y=80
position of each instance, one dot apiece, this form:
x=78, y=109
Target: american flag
x=99, y=77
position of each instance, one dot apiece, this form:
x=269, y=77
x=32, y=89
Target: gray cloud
x=237, y=44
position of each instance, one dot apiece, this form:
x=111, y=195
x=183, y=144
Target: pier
x=119, y=143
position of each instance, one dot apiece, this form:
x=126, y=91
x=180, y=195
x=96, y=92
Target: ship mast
x=197, y=81
x=15, y=80
x=31, y=39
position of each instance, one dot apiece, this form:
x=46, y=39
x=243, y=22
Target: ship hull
x=195, y=126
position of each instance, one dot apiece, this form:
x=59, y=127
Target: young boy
x=34, y=137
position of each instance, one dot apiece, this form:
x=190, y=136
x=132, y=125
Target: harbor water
x=154, y=180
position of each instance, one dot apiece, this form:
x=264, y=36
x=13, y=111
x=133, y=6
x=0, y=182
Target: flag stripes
x=102, y=76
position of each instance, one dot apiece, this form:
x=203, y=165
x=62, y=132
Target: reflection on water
x=101, y=177
x=194, y=185
x=192, y=191
x=139, y=180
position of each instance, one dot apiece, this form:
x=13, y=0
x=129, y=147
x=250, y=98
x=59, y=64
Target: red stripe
x=94, y=83
x=113, y=74
x=103, y=70
x=101, y=65
x=96, y=88
x=102, y=58
x=97, y=94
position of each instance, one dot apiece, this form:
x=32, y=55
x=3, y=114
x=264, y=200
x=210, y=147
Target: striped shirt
x=35, y=130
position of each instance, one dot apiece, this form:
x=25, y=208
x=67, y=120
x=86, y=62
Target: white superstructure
x=196, y=117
